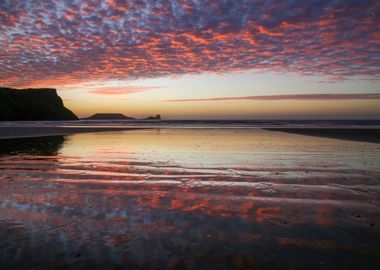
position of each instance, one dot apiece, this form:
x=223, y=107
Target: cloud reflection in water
x=191, y=199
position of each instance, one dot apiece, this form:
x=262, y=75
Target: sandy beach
x=208, y=199
x=13, y=132
x=351, y=134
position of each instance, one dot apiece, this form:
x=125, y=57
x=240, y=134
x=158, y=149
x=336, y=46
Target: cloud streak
x=58, y=42
x=122, y=90
x=367, y=96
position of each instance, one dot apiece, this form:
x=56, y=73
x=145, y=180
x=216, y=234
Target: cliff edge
x=32, y=105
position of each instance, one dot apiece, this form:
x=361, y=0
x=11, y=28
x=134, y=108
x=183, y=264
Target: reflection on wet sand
x=192, y=199
x=33, y=146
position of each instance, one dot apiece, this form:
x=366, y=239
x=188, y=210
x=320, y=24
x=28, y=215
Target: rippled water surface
x=189, y=199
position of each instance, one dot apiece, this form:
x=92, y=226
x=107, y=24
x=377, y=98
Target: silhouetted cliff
x=32, y=104
x=157, y=117
x=109, y=116
x=118, y=116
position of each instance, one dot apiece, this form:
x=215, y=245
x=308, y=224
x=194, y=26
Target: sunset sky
x=194, y=59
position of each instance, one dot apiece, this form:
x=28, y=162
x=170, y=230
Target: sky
x=193, y=59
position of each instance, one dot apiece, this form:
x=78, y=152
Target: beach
x=351, y=134
x=195, y=198
x=12, y=132
x=365, y=131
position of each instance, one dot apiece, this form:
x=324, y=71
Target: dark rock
x=32, y=105
x=157, y=117
x=109, y=116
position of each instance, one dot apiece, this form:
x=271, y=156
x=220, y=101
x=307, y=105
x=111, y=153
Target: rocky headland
x=42, y=104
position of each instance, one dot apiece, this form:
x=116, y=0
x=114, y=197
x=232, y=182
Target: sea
x=207, y=123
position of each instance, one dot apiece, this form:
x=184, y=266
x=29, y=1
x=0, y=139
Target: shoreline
x=33, y=132
x=351, y=134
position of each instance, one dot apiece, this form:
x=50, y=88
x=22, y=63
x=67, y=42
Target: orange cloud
x=121, y=90
x=50, y=43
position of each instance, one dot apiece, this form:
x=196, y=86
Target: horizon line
x=335, y=96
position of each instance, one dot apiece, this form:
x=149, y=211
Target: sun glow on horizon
x=140, y=98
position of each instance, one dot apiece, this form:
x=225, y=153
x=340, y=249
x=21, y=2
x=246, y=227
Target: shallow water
x=189, y=199
x=214, y=124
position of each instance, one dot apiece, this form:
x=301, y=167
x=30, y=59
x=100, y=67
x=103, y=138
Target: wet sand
x=29, y=132
x=352, y=134
x=189, y=199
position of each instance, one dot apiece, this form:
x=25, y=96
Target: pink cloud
x=122, y=90
x=286, y=97
x=51, y=43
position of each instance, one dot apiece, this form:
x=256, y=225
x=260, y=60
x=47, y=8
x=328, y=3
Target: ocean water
x=207, y=123
x=189, y=198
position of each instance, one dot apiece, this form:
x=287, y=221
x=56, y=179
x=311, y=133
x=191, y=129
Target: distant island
x=32, y=105
x=118, y=116
x=108, y=116
x=157, y=117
